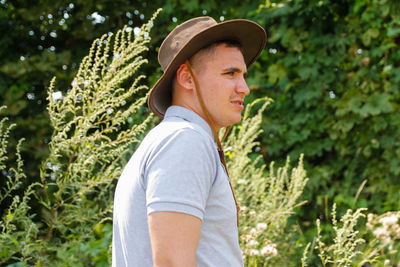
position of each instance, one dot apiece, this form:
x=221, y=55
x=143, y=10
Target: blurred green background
x=332, y=67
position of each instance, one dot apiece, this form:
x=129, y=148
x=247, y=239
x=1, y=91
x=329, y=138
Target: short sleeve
x=180, y=173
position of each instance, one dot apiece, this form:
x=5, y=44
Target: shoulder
x=181, y=133
x=178, y=142
x=181, y=143
x=181, y=153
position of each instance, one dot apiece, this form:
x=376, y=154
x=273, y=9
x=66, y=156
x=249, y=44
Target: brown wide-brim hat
x=192, y=35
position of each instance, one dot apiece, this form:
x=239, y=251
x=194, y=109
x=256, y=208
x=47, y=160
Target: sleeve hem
x=175, y=207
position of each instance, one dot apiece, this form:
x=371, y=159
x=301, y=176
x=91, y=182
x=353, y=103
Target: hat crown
x=180, y=36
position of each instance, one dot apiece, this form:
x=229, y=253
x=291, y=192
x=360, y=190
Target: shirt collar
x=188, y=115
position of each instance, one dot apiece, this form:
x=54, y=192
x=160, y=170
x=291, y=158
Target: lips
x=238, y=103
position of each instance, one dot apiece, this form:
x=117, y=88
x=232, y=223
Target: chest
x=220, y=207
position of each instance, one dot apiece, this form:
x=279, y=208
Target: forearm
x=174, y=260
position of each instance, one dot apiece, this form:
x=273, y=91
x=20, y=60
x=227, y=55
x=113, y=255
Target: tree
x=332, y=68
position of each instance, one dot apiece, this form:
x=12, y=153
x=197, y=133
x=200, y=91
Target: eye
x=230, y=73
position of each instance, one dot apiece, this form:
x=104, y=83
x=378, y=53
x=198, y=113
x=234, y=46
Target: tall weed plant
x=354, y=245
x=267, y=198
x=87, y=148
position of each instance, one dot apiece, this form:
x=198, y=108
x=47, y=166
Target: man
x=174, y=205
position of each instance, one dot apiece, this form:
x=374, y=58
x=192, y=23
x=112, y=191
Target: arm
x=174, y=238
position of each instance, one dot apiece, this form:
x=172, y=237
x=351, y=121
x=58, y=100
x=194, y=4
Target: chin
x=228, y=121
x=236, y=120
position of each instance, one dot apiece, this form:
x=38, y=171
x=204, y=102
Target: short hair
x=209, y=49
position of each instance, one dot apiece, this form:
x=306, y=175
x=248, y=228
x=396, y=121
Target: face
x=221, y=79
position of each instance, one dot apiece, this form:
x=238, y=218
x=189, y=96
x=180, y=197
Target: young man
x=174, y=205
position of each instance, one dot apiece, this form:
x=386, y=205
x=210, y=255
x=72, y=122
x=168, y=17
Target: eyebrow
x=234, y=69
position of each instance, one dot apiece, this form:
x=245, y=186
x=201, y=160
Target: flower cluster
x=255, y=243
x=386, y=227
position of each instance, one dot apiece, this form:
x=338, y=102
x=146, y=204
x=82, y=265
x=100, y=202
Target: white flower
x=247, y=238
x=371, y=217
x=53, y=176
x=389, y=220
x=57, y=96
x=261, y=226
x=383, y=235
x=55, y=168
x=269, y=250
x=253, y=243
x=379, y=232
x=243, y=208
x=252, y=214
x=386, y=240
x=254, y=252
x=136, y=31
x=253, y=232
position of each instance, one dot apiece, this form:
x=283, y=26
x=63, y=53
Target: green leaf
x=392, y=32
x=275, y=72
x=345, y=125
x=376, y=104
x=308, y=72
x=379, y=124
x=374, y=32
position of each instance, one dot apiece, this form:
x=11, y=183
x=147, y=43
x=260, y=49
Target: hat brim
x=251, y=36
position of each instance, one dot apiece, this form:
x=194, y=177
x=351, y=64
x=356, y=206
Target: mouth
x=238, y=103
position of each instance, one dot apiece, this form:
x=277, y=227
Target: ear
x=183, y=77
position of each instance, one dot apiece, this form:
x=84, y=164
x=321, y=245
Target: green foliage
x=86, y=153
x=267, y=201
x=350, y=246
x=17, y=231
x=14, y=176
x=346, y=244
x=332, y=69
x=330, y=66
x=85, y=120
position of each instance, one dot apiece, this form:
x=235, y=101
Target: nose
x=242, y=87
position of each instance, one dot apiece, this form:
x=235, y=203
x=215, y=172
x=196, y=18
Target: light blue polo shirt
x=176, y=168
